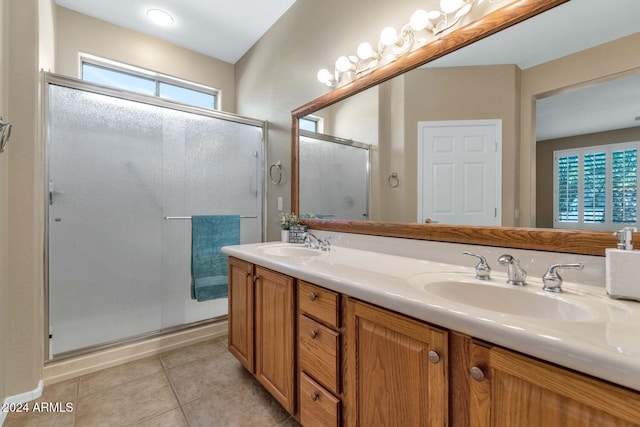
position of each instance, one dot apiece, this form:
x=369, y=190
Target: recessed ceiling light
x=160, y=17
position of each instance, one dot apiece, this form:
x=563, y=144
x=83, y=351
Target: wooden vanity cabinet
x=262, y=325
x=396, y=367
x=504, y=388
x=241, y=311
x=361, y=365
x=319, y=356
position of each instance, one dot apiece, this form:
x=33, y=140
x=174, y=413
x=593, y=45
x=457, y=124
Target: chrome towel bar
x=188, y=217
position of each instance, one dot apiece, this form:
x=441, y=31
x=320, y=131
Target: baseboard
x=55, y=372
x=27, y=396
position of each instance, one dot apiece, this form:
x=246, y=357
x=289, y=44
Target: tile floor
x=199, y=385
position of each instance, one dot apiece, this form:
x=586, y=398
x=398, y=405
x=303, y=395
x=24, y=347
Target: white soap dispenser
x=623, y=267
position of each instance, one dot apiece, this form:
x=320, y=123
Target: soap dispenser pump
x=622, y=265
x=624, y=238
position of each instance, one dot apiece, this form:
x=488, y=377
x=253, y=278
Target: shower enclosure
x=334, y=177
x=118, y=165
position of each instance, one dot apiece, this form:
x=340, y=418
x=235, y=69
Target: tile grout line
x=76, y=400
x=173, y=390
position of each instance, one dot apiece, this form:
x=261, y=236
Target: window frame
x=319, y=123
x=608, y=149
x=158, y=78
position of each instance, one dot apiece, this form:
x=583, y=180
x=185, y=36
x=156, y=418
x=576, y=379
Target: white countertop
x=606, y=344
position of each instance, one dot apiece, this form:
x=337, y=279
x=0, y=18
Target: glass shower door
x=105, y=210
x=211, y=167
x=118, y=168
x=334, y=178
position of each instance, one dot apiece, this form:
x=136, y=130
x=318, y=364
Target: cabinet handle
x=313, y=296
x=314, y=396
x=256, y=278
x=477, y=374
x=434, y=357
x=248, y=273
x=314, y=335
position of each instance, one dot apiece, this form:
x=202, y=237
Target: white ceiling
x=226, y=29
x=221, y=29
x=566, y=29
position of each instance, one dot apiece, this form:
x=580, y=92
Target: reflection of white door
x=460, y=172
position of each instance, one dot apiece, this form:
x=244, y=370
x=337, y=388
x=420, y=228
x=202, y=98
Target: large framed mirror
x=465, y=73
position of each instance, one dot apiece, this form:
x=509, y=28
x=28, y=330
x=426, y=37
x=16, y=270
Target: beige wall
x=29, y=23
x=77, y=33
x=583, y=68
x=545, y=164
x=4, y=197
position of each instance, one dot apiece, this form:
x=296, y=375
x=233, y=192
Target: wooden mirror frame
x=553, y=240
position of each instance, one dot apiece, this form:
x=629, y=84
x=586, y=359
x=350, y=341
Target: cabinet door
x=275, y=335
x=241, y=311
x=523, y=391
x=392, y=377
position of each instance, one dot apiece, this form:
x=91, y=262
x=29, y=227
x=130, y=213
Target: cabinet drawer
x=318, y=407
x=318, y=352
x=319, y=303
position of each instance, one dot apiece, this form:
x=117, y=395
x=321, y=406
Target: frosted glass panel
x=105, y=170
x=333, y=180
x=117, y=268
x=212, y=167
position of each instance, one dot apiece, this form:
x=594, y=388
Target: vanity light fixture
x=423, y=27
x=160, y=17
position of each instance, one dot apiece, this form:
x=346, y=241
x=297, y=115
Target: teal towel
x=208, y=265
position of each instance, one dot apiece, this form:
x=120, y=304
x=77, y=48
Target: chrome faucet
x=313, y=242
x=515, y=273
x=483, y=271
x=552, y=280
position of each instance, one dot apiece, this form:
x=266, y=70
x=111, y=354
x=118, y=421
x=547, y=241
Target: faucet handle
x=483, y=271
x=325, y=244
x=552, y=280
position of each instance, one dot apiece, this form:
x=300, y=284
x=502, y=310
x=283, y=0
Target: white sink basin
x=511, y=300
x=289, y=250
x=497, y=296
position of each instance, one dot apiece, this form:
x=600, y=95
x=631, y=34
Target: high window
x=134, y=79
x=596, y=187
x=310, y=123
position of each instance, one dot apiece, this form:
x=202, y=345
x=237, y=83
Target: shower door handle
x=53, y=193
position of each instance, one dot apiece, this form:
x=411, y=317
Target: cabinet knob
x=313, y=296
x=314, y=396
x=477, y=374
x=314, y=334
x=434, y=357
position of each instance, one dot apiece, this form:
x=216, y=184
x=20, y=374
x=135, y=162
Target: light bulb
x=325, y=76
x=365, y=51
x=160, y=17
x=450, y=6
x=434, y=14
x=419, y=20
x=388, y=36
x=343, y=64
